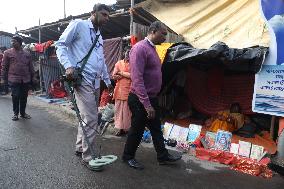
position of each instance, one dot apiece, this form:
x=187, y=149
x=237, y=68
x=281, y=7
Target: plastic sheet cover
x=179, y=55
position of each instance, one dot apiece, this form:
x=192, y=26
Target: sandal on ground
x=26, y=116
x=15, y=118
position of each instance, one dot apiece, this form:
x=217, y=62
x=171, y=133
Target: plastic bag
x=108, y=113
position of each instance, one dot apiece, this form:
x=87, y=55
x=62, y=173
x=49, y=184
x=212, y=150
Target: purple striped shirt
x=145, y=69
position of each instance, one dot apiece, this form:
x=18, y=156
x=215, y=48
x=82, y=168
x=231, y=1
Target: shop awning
x=204, y=22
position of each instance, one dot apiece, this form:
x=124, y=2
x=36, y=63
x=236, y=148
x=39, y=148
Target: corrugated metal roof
x=5, y=39
x=118, y=25
x=125, y=3
x=6, y=33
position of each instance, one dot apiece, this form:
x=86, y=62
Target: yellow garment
x=162, y=50
x=238, y=121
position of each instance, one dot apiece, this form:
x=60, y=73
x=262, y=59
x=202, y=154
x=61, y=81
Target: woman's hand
x=116, y=77
x=124, y=74
x=120, y=73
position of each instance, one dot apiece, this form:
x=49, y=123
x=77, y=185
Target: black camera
x=75, y=80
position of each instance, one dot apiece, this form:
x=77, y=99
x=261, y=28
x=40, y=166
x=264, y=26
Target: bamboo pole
x=131, y=17
x=272, y=123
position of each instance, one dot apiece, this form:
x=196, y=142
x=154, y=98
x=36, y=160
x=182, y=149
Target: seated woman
x=229, y=120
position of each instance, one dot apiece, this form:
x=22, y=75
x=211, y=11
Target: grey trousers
x=87, y=99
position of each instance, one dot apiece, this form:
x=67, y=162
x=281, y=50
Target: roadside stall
x=227, y=47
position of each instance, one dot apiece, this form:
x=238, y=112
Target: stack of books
x=244, y=148
x=209, y=140
x=194, y=132
x=223, y=140
x=178, y=133
x=256, y=152
x=247, y=149
x=167, y=129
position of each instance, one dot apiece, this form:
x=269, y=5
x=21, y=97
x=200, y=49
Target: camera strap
x=85, y=59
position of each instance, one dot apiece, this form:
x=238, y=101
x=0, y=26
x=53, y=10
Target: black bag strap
x=85, y=59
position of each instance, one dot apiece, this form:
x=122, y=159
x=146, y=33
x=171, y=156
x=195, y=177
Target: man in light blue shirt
x=73, y=45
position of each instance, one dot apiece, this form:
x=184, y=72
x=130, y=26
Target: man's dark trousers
x=19, y=97
x=138, y=122
x=4, y=89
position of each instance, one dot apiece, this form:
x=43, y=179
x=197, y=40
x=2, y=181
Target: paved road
x=38, y=153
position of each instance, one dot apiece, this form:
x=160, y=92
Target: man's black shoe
x=25, y=116
x=134, y=164
x=79, y=154
x=15, y=117
x=169, y=159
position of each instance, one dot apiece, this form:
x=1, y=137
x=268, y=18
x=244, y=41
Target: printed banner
x=269, y=82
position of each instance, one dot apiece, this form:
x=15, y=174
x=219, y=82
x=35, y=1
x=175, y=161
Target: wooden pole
x=131, y=18
x=39, y=31
x=272, y=123
x=40, y=74
x=64, y=10
x=40, y=61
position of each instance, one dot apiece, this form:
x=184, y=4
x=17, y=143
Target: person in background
x=106, y=97
x=146, y=81
x=228, y=120
x=18, y=72
x=122, y=115
x=1, y=85
x=72, y=46
x=1, y=57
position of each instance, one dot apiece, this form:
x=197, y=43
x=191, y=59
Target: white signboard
x=269, y=82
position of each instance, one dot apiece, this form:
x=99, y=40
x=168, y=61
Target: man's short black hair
x=18, y=38
x=155, y=26
x=99, y=7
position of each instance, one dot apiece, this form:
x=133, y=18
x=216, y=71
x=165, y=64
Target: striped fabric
x=233, y=88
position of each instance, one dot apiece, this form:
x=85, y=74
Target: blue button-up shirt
x=74, y=44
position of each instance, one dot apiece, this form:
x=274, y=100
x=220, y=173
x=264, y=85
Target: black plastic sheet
x=246, y=60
